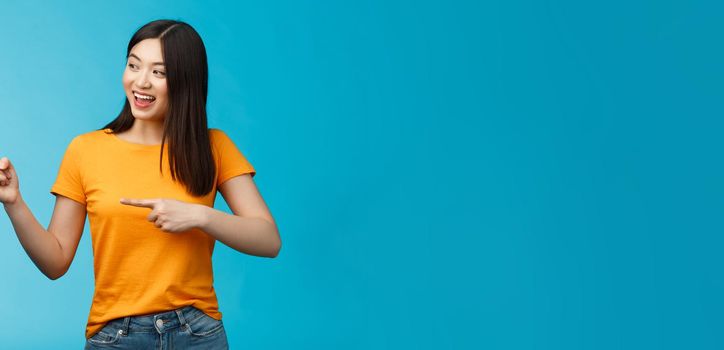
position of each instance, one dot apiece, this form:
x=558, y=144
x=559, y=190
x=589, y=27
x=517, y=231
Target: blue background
x=445, y=175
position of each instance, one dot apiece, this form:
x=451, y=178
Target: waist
x=157, y=322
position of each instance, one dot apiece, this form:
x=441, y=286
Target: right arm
x=51, y=250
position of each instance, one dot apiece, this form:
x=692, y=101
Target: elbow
x=53, y=275
x=277, y=247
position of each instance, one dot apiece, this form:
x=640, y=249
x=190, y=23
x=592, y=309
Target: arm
x=51, y=250
x=252, y=228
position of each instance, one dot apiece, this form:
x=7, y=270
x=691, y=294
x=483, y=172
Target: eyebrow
x=154, y=63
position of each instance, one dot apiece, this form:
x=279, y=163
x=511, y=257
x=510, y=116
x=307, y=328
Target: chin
x=147, y=115
x=143, y=116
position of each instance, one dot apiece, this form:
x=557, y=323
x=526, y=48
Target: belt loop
x=181, y=316
x=124, y=328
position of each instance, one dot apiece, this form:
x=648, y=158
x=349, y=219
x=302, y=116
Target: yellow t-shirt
x=138, y=268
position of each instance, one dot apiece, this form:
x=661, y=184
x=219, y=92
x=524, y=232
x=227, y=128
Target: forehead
x=148, y=50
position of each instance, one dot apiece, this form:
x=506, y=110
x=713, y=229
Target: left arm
x=251, y=229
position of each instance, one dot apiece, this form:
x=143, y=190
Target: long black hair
x=185, y=127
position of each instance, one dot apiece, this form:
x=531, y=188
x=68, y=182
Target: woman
x=147, y=182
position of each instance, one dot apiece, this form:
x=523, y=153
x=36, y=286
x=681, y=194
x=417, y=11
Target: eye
x=132, y=66
x=159, y=73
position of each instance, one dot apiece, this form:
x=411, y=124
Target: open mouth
x=143, y=100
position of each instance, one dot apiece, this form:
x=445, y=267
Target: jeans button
x=159, y=323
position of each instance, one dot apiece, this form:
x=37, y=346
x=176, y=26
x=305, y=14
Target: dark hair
x=184, y=128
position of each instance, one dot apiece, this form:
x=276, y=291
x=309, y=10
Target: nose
x=142, y=81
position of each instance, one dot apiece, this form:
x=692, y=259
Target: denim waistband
x=158, y=322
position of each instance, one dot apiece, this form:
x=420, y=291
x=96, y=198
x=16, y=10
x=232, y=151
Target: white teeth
x=144, y=97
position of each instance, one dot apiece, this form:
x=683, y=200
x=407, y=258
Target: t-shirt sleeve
x=230, y=161
x=69, y=182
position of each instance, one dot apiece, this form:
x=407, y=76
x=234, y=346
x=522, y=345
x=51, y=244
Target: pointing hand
x=170, y=215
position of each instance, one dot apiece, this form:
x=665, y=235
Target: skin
x=144, y=74
x=251, y=229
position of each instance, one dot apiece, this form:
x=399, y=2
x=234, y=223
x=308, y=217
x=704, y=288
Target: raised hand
x=170, y=215
x=9, y=185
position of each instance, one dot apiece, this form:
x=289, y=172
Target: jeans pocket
x=204, y=326
x=106, y=336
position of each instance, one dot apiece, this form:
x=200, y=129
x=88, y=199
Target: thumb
x=7, y=167
x=5, y=164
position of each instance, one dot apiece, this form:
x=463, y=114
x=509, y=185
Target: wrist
x=202, y=216
x=14, y=204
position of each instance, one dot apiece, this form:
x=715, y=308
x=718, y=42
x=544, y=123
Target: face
x=144, y=81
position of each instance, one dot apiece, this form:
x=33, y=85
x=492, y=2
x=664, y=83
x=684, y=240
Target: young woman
x=147, y=182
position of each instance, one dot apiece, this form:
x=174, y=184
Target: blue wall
x=445, y=175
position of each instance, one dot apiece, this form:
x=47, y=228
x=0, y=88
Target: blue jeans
x=185, y=328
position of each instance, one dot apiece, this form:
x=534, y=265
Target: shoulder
x=216, y=135
x=219, y=139
x=87, y=139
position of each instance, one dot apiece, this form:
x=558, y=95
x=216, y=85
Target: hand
x=170, y=215
x=9, y=184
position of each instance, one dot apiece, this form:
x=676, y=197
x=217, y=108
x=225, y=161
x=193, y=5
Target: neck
x=145, y=132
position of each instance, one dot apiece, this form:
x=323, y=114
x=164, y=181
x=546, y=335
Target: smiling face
x=144, y=81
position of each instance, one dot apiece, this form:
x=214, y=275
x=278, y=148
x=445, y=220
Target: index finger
x=145, y=203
